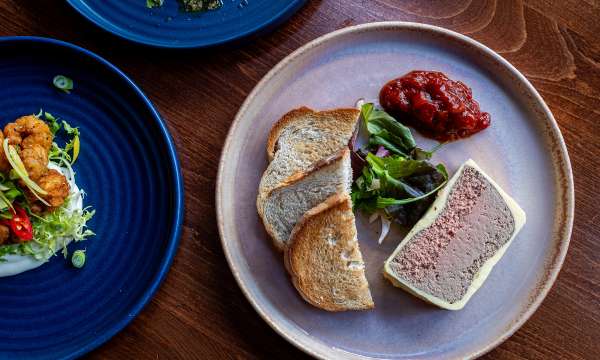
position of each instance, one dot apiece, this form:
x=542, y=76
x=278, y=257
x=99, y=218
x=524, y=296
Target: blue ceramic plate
x=128, y=167
x=168, y=26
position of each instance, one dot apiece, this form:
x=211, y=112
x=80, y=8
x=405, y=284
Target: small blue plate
x=170, y=27
x=128, y=167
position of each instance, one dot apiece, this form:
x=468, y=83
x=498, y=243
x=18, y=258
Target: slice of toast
x=288, y=202
x=324, y=259
x=301, y=138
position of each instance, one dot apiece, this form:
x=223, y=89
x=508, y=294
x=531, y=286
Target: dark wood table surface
x=199, y=312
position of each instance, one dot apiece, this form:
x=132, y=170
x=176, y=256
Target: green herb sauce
x=200, y=5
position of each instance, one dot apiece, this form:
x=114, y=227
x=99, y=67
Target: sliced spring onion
x=75, y=148
x=154, y=3
x=12, y=193
x=78, y=258
x=63, y=83
x=5, y=203
x=39, y=198
x=17, y=164
x=67, y=164
x=19, y=168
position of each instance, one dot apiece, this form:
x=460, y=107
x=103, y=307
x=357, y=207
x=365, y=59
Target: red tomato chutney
x=440, y=108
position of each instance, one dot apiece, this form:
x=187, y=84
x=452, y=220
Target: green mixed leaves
x=52, y=233
x=396, y=180
x=9, y=192
x=70, y=151
x=401, y=184
x=385, y=130
x=8, y=250
x=55, y=229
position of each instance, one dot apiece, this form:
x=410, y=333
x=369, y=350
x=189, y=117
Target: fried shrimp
x=57, y=187
x=29, y=131
x=34, y=138
x=35, y=160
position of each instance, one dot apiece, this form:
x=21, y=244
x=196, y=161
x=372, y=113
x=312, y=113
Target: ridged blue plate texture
x=170, y=27
x=129, y=169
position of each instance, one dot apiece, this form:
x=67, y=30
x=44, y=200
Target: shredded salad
x=37, y=229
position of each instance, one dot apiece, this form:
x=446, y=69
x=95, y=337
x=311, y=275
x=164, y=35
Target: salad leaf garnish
x=19, y=168
x=8, y=250
x=384, y=127
x=421, y=154
x=397, y=180
x=52, y=231
x=394, y=177
x=68, y=154
x=53, y=123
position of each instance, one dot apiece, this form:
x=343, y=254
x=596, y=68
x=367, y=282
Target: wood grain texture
x=199, y=312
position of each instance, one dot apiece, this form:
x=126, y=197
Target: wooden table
x=199, y=312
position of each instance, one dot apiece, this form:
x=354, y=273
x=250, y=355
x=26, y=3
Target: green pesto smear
x=190, y=5
x=200, y=5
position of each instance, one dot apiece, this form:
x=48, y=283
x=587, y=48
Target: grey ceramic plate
x=523, y=151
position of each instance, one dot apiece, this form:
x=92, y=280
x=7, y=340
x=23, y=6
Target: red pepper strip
x=20, y=224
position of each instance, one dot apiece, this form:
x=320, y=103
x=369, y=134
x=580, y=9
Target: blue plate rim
x=89, y=14
x=178, y=191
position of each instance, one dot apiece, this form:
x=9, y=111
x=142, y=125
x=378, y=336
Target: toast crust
x=348, y=115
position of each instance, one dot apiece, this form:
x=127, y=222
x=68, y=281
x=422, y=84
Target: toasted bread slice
x=288, y=202
x=324, y=260
x=301, y=138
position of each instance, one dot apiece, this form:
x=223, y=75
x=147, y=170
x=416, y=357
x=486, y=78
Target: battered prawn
x=57, y=187
x=35, y=140
x=35, y=160
x=28, y=131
